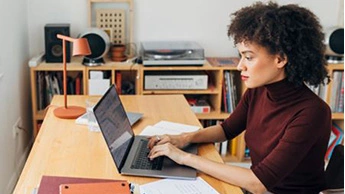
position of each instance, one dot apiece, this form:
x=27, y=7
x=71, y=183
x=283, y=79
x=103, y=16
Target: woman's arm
x=210, y=134
x=241, y=177
x=235, y=175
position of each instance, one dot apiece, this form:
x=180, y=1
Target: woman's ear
x=281, y=61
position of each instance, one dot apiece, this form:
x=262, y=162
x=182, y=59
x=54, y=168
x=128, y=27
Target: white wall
x=14, y=90
x=204, y=21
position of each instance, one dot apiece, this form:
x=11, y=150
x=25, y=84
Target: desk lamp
x=80, y=47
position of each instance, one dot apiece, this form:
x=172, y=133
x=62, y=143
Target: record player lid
x=165, y=47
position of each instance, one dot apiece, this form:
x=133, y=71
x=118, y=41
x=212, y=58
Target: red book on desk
x=95, y=188
x=51, y=184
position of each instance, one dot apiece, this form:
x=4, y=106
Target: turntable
x=163, y=53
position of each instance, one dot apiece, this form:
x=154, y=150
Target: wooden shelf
x=135, y=73
x=338, y=116
x=335, y=66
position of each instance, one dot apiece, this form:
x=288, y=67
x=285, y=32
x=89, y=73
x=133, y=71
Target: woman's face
x=258, y=67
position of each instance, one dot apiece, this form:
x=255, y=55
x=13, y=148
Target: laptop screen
x=115, y=126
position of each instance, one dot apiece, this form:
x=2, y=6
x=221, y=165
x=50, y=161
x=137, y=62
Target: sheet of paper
x=173, y=186
x=176, y=126
x=167, y=127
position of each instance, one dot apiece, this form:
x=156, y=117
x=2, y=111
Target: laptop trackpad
x=170, y=169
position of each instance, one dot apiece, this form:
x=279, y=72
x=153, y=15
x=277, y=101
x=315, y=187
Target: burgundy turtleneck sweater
x=287, y=132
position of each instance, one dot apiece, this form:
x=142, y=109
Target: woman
x=287, y=126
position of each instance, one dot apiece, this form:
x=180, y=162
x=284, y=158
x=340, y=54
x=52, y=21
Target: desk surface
x=63, y=148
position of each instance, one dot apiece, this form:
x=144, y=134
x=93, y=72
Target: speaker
x=53, y=45
x=334, y=39
x=99, y=43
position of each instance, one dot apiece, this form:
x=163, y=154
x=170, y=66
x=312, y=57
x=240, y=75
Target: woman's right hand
x=179, y=141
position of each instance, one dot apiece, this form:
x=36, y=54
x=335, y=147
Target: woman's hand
x=179, y=141
x=170, y=151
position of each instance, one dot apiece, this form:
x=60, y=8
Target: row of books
x=50, y=83
x=225, y=148
x=336, y=137
x=229, y=91
x=337, y=92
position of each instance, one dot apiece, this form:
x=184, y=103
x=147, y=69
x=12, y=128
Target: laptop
x=133, y=118
x=128, y=151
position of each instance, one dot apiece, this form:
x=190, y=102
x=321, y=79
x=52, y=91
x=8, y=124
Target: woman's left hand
x=170, y=151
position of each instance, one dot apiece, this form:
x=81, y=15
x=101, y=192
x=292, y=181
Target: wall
x=14, y=90
x=204, y=21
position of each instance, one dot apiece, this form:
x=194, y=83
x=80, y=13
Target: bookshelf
x=129, y=73
x=135, y=74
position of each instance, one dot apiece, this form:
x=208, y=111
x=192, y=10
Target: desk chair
x=335, y=171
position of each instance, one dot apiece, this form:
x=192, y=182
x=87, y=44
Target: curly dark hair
x=285, y=30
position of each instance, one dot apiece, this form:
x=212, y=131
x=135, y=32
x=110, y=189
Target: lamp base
x=93, y=62
x=71, y=112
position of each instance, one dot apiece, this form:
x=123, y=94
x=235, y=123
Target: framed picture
x=109, y=31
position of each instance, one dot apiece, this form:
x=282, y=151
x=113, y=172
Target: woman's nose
x=240, y=66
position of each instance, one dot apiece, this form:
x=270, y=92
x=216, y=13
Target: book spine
x=118, y=82
x=340, y=107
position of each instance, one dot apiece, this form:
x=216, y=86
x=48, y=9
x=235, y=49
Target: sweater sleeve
x=236, y=122
x=301, y=140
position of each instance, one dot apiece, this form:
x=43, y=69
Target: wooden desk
x=63, y=148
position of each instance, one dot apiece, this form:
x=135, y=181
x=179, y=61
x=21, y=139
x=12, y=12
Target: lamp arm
x=60, y=36
x=64, y=71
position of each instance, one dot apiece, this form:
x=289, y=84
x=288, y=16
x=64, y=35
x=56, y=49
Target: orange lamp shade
x=81, y=47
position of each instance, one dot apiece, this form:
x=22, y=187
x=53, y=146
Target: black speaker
x=53, y=45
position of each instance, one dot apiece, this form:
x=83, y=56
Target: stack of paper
x=167, y=127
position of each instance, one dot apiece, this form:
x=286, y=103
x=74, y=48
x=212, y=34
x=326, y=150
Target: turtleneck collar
x=281, y=90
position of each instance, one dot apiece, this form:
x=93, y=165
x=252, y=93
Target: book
x=51, y=184
x=234, y=146
x=118, y=82
x=199, y=105
x=335, y=90
x=119, y=187
x=223, y=61
x=224, y=148
x=338, y=139
x=229, y=91
x=224, y=99
x=78, y=85
x=340, y=107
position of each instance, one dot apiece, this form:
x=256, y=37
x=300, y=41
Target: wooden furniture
x=134, y=73
x=63, y=148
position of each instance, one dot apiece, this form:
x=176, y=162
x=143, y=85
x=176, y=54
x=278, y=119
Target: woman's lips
x=244, y=78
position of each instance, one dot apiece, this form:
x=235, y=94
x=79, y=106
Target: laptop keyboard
x=141, y=161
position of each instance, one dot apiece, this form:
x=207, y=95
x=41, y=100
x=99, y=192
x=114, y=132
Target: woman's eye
x=248, y=58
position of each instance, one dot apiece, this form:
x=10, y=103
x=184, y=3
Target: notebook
x=51, y=184
x=127, y=149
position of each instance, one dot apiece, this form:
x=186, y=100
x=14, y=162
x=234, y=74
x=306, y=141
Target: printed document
x=167, y=127
x=174, y=186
